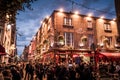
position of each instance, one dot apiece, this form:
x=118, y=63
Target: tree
x=10, y=7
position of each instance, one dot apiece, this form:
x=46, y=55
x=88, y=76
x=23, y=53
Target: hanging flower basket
x=45, y=41
x=60, y=38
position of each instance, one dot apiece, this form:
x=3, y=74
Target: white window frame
x=107, y=26
x=89, y=24
x=70, y=35
x=67, y=21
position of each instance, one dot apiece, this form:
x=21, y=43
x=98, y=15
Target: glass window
x=109, y=40
x=107, y=26
x=68, y=38
x=90, y=39
x=67, y=21
x=89, y=24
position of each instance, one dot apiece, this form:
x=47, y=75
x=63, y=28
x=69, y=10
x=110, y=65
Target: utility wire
x=84, y=6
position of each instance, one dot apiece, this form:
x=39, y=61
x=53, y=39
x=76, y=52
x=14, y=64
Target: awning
x=115, y=55
x=2, y=50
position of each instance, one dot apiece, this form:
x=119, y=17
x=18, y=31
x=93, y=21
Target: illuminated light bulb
x=102, y=17
x=41, y=22
x=90, y=14
x=61, y=10
x=47, y=17
x=76, y=12
x=89, y=18
x=8, y=26
x=114, y=19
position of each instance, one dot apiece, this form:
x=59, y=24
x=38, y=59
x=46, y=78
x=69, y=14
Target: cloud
x=28, y=38
x=29, y=27
x=20, y=50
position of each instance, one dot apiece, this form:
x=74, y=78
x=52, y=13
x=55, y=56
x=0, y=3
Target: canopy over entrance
x=2, y=50
x=111, y=55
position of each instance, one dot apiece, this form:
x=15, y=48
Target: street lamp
x=8, y=26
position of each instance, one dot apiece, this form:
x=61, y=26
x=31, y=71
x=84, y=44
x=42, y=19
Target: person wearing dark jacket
x=15, y=74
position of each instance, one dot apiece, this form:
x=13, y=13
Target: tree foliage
x=11, y=7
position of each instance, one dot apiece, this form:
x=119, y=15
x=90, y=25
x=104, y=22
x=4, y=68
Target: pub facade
x=69, y=36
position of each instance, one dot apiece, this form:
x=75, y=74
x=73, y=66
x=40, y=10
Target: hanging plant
x=45, y=41
x=60, y=38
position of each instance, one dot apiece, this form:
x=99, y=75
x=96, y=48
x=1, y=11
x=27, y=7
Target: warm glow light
x=76, y=12
x=81, y=44
x=41, y=22
x=89, y=18
x=90, y=14
x=114, y=19
x=52, y=44
x=61, y=10
x=101, y=44
x=102, y=17
x=13, y=46
x=47, y=17
x=8, y=26
x=116, y=45
x=7, y=16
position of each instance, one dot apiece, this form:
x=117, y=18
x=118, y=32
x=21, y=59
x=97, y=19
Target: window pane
x=68, y=39
x=89, y=24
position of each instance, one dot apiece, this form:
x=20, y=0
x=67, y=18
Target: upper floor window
x=67, y=21
x=89, y=24
x=107, y=27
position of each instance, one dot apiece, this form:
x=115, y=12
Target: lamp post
x=95, y=50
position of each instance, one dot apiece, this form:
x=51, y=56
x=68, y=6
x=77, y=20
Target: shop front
x=68, y=56
x=111, y=56
x=2, y=53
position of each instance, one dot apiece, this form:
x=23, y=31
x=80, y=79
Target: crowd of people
x=52, y=71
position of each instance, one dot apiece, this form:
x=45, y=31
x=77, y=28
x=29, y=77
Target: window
x=68, y=38
x=107, y=41
x=90, y=39
x=84, y=40
x=107, y=27
x=89, y=24
x=67, y=21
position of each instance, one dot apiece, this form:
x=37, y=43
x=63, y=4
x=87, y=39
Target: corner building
x=66, y=36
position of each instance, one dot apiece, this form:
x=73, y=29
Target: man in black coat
x=29, y=71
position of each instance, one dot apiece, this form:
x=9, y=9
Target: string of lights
x=84, y=6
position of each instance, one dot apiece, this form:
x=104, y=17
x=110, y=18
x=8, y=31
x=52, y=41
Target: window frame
x=67, y=21
x=107, y=27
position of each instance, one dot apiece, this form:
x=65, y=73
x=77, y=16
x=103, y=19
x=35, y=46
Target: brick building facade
x=66, y=34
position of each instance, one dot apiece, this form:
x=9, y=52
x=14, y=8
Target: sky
x=28, y=22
